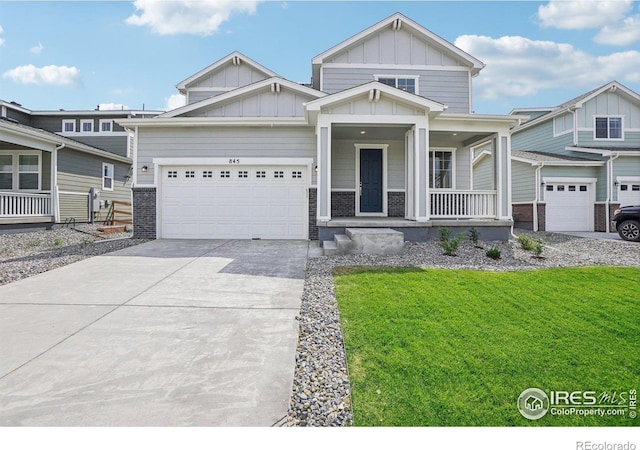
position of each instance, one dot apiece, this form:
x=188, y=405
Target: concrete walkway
x=167, y=333
x=592, y=235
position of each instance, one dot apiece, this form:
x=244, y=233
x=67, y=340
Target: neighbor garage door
x=234, y=202
x=629, y=193
x=569, y=206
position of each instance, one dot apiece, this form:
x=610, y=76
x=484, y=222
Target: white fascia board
x=481, y=156
x=616, y=86
x=212, y=121
x=403, y=96
x=100, y=113
x=242, y=91
x=15, y=106
x=474, y=62
x=183, y=84
x=603, y=152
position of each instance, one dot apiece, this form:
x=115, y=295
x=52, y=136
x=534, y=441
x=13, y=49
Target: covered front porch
x=401, y=163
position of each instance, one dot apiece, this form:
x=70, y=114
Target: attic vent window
x=397, y=24
x=236, y=61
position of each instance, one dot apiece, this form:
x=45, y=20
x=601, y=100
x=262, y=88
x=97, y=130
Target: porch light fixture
x=144, y=168
x=455, y=134
x=315, y=168
x=363, y=132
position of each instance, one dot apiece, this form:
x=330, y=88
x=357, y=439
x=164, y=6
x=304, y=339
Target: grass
x=457, y=347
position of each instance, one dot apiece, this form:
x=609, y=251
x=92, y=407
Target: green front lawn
x=457, y=347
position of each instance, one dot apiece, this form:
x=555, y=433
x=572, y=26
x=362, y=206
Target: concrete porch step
x=330, y=248
x=372, y=241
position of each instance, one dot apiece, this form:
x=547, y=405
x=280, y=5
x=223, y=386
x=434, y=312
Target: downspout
x=536, y=200
x=55, y=195
x=612, y=157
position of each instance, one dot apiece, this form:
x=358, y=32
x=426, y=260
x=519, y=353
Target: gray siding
x=265, y=103
x=444, y=86
x=229, y=76
x=19, y=116
x=112, y=144
x=483, y=179
x=203, y=142
x=79, y=172
x=522, y=182
x=631, y=139
x=196, y=96
x=540, y=138
x=609, y=103
x=396, y=47
x=625, y=167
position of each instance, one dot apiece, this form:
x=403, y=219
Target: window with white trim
x=608, y=128
x=86, y=126
x=29, y=172
x=441, y=169
x=6, y=172
x=106, y=125
x=406, y=83
x=69, y=125
x=107, y=177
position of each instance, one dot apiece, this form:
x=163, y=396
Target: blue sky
x=76, y=55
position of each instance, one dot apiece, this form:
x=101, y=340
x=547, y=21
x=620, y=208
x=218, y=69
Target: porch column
x=55, y=210
x=421, y=171
x=502, y=172
x=324, y=171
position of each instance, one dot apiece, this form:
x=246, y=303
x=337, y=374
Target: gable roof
x=218, y=99
x=399, y=20
x=232, y=58
x=10, y=127
x=578, y=101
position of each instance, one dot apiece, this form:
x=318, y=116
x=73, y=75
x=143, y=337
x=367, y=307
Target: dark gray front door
x=371, y=180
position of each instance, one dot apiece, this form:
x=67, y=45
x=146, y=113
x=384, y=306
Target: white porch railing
x=14, y=204
x=463, y=204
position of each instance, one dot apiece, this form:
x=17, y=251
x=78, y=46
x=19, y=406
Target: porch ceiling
x=371, y=133
x=455, y=139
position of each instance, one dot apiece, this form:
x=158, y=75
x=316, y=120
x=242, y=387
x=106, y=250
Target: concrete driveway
x=167, y=333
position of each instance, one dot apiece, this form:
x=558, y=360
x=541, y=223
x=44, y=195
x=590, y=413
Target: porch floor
x=25, y=220
x=398, y=222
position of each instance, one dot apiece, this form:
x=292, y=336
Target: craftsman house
x=383, y=136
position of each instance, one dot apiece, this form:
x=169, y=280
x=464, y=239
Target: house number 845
x=234, y=161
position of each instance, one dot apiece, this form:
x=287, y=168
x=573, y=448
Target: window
x=583, y=189
x=69, y=125
x=207, y=174
x=106, y=125
x=441, y=169
x=225, y=174
x=408, y=84
x=560, y=188
x=550, y=187
x=107, y=176
x=28, y=172
x=86, y=126
x=296, y=174
x=6, y=172
x=243, y=174
x=172, y=174
x=572, y=188
x=189, y=174
x=278, y=174
x=608, y=128
x=261, y=174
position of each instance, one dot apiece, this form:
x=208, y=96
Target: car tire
x=629, y=230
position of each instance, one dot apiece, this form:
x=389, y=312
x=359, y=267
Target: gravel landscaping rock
x=26, y=254
x=321, y=391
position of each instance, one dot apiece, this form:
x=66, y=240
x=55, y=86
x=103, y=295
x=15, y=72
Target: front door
x=371, y=188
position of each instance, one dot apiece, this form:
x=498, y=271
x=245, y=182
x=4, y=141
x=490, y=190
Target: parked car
x=626, y=221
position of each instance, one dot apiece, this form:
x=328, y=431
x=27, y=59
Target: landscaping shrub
x=493, y=253
x=450, y=245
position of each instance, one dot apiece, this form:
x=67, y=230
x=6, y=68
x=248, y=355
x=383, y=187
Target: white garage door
x=569, y=207
x=234, y=202
x=629, y=193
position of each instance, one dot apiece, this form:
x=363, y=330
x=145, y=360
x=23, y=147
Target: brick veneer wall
x=542, y=216
x=395, y=204
x=144, y=213
x=313, y=213
x=600, y=218
x=523, y=216
x=343, y=204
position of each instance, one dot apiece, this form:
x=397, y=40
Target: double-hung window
x=608, y=128
x=441, y=169
x=29, y=172
x=86, y=126
x=69, y=126
x=6, y=172
x=106, y=125
x=405, y=83
x=107, y=177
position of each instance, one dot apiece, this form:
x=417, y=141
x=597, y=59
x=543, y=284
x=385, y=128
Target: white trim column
x=324, y=170
x=410, y=174
x=502, y=174
x=421, y=167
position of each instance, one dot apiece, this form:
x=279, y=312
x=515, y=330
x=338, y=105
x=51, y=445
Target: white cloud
x=174, y=101
x=518, y=66
x=112, y=107
x=577, y=15
x=625, y=33
x=37, y=49
x=47, y=75
x=202, y=17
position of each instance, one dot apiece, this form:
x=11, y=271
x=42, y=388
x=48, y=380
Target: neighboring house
x=574, y=164
x=57, y=166
x=384, y=136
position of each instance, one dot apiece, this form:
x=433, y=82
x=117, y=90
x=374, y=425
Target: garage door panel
x=215, y=202
x=569, y=206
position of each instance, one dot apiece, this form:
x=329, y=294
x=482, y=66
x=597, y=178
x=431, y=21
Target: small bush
x=32, y=244
x=526, y=242
x=538, y=247
x=449, y=245
x=474, y=235
x=493, y=253
x=57, y=242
